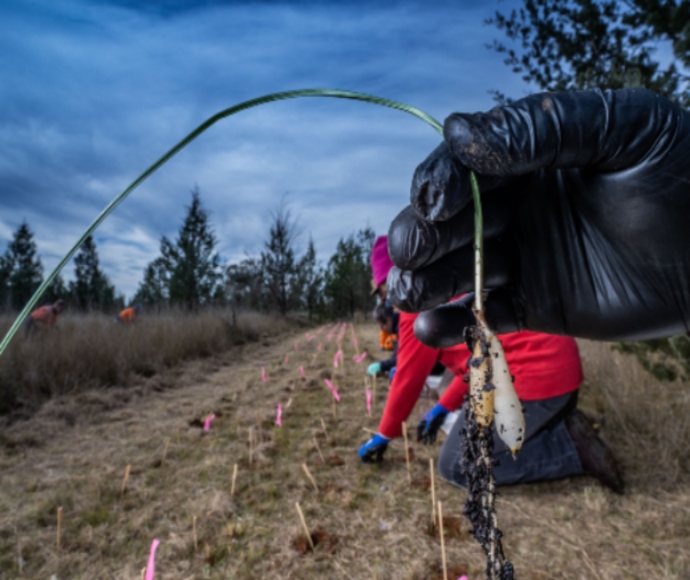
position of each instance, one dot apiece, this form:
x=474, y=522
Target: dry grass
x=369, y=521
x=88, y=351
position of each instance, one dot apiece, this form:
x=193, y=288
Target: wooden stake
x=143, y=573
x=234, y=479
x=407, y=453
x=287, y=405
x=310, y=476
x=433, y=490
x=251, y=444
x=165, y=450
x=373, y=389
x=304, y=525
x=196, y=542
x=316, y=444
x=59, y=527
x=258, y=427
x=323, y=425
x=335, y=409
x=125, y=479
x=443, y=545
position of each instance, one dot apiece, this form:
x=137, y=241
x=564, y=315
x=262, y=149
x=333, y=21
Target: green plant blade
x=334, y=93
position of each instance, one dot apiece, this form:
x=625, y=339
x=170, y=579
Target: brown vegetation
x=87, y=351
x=369, y=522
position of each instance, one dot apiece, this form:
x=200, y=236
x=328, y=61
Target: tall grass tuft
x=92, y=350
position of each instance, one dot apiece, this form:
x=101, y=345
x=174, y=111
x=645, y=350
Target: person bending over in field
x=560, y=441
x=387, y=318
x=45, y=316
x=381, y=265
x=129, y=315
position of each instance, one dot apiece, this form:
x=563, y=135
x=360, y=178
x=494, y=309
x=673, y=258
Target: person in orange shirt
x=45, y=316
x=129, y=315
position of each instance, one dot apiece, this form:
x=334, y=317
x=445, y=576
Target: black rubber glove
x=427, y=428
x=586, y=199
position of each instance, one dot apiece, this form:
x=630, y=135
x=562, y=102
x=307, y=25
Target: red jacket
x=543, y=366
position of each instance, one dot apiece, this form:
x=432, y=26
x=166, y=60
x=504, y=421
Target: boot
x=596, y=458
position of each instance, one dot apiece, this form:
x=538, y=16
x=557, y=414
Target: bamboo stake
x=251, y=444
x=433, y=490
x=323, y=426
x=196, y=541
x=443, y=545
x=125, y=479
x=316, y=444
x=407, y=453
x=304, y=525
x=59, y=528
x=258, y=427
x=373, y=389
x=165, y=450
x=335, y=409
x=234, y=479
x=143, y=573
x=310, y=476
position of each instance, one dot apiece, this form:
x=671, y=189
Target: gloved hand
x=586, y=199
x=391, y=374
x=374, y=369
x=372, y=451
x=430, y=424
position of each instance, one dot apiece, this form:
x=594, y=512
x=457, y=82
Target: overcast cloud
x=93, y=93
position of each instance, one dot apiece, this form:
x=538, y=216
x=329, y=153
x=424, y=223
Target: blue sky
x=94, y=92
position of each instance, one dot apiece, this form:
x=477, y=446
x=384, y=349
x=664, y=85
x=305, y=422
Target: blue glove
x=391, y=374
x=430, y=424
x=374, y=368
x=372, y=451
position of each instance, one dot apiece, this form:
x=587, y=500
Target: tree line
x=189, y=273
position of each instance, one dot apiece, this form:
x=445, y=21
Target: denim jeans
x=547, y=453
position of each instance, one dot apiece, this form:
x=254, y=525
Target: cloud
x=94, y=92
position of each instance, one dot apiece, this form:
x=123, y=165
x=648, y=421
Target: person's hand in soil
x=372, y=451
x=586, y=200
x=428, y=427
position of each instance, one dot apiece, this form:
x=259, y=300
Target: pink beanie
x=381, y=262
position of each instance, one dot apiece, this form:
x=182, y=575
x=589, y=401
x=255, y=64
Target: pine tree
x=25, y=268
x=580, y=44
x=153, y=289
x=192, y=265
x=278, y=260
x=348, y=275
x=91, y=288
x=311, y=279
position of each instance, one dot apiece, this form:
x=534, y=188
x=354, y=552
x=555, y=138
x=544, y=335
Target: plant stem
x=334, y=93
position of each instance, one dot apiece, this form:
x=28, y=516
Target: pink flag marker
x=279, y=415
x=335, y=360
x=151, y=566
x=287, y=359
x=360, y=358
x=320, y=347
x=329, y=384
x=207, y=423
x=301, y=373
x=263, y=375
x=369, y=402
x=295, y=345
x=355, y=342
x=463, y=578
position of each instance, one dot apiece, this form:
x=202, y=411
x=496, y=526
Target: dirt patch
x=454, y=528
x=324, y=542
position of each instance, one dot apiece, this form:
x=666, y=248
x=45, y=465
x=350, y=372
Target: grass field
x=368, y=520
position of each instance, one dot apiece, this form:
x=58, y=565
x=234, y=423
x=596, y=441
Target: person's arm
x=415, y=361
x=391, y=361
x=454, y=395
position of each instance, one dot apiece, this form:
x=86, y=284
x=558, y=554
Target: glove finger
x=450, y=276
x=445, y=325
x=610, y=129
x=414, y=242
x=441, y=185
